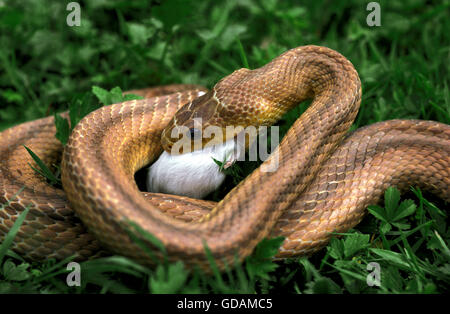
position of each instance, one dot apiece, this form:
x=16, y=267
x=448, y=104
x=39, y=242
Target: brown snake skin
x=325, y=180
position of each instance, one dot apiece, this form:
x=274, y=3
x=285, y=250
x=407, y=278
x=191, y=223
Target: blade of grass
x=54, y=270
x=12, y=233
x=45, y=171
x=242, y=54
x=214, y=267
x=405, y=234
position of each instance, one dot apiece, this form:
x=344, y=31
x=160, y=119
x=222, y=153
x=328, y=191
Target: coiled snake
x=324, y=181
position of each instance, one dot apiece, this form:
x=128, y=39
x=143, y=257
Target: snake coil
x=324, y=181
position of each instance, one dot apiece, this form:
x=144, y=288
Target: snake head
x=219, y=115
x=195, y=126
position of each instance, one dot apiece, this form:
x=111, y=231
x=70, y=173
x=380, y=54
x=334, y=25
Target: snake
x=325, y=178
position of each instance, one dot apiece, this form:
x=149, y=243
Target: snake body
x=324, y=181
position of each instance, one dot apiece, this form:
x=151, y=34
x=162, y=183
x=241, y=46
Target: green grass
x=47, y=67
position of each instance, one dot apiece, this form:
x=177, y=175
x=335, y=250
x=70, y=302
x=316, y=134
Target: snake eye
x=194, y=133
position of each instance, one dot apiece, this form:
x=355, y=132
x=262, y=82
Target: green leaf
x=15, y=273
x=336, y=248
x=354, y=243
x=260, y=263
x=80, y=106
x=378, y=212
x=168, y=280
x=393, y=257
x=406, y=208
x=444, y=248
x=138, y=33
x=128, y=97
x=219, y=163
x=12, y=96
x=385, y=227
x=234, y=171
x=206, y=34
x=156, y=51
x=102, y=95
x=391, y=199
x=62, y=129
x=14, y=255
x=401, y=226
x=114, y=96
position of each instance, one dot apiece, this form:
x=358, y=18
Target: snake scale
x=326, y=176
